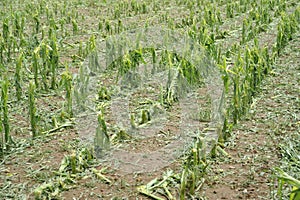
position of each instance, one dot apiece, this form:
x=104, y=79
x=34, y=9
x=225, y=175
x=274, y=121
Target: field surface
x=149, y=99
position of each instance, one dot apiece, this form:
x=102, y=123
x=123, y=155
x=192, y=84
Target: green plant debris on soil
x=253, y=44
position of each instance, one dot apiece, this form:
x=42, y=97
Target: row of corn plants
x=241, y=81
x=244, y=76
x=34, y=49
x=243, y=68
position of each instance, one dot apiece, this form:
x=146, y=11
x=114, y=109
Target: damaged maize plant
x=67, y=82
x=2, y=141
x=101, y=141
x=54, y=59
x=18, y=79
x=32, y=110
x=35, y=66
x=5, y=120
x=44, y=53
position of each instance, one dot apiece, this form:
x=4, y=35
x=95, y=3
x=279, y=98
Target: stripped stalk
x=67, y=81
x=183, y=184
x=53, y=56
x=80, y=50
x=35, y=66
x=172, y=93
x=5, y=120
x=45, y=58
x=73, y=162
x=2, y=48
x=1, y=139
x=75, y=26
x=37, y=23
x=32, y=109
x=244, y=29
x=101, y=141
x=145, y=117
x=5, y=30
x=18, y=77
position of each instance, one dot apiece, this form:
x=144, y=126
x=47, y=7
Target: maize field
x=140, y=99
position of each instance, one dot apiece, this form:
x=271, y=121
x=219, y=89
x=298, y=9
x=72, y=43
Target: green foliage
x=286, y=178
x=72, y=167
x=286, y=28
x=35, y=38
x=18, y=77
x=104, y=93
x=54, y=59
x=4, y=105
x=32, y=110
x=44, y=68
x=145, y=117
x=67, y=82
x=35, y=66
x=75, y=26
x=5, y=30
x=102, y=140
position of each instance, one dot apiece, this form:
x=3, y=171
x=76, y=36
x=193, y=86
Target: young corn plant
x=36, y=19
x=286, y=178
x=2, y=48
x=238, y=68
x=5, y=30
x=81, y=88
x=75, y=26
x=62, y=24
x=67, y=82
x=52, y=27
x=17, y=26
x=154, y=60
x=93, y=55
x=18, y=79
x=208, y=16
x=35, y=66
x=183, y=183
x=2, y=143
x=286, y=28
x=44, y=53
x=32, y=109
x=194, y=169
x=81, y=52
x=119, y=27
x=108, y=27
x=5, y=120
x=171, y=95
x=279, y=38
x=101, y=141
x=145, y=117
x=244, y=31
x=229, y=10
x=54, y=59
x=226, y=74
x=255, y=69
